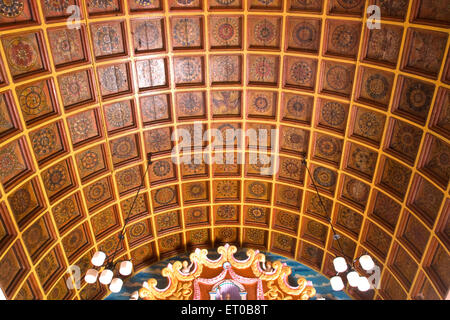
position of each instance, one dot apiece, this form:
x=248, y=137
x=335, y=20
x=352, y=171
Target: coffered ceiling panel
x=82, y=104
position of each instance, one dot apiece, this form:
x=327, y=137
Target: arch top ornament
x=259, y=278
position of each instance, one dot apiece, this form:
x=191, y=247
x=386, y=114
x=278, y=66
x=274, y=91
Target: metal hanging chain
x=335, y=235
x=122, y=233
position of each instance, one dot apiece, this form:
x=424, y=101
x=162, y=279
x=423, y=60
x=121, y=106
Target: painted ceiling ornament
x=291, y=168
x=394, y=7
x=161, y=168
x=188, y=69
x=265, y=31
x=73, y=88
x=407, y=139
x=81, y=128
x=227, y=188
x=186, y=31
x=265, y=2
x=328, y=146
x=304, y=34
x=164, y=195
x=226, y=212
x=155, y=107
x=369, y=124
x=55, y=177
x=21, y=54
x=284, y=241
x=324, y=177
x=123, y=148
x=170, y=242
x=333, y=113
x=385, y=43
x=261, y=103
x=226, y=101
x=344, y=37
x=301, y=72
x=44, y=141
x=9, y=161
x=113, y=78
x=137, y=230
x=118, y=114
x=89, y=160
x=419, y=96
x=167, y=220
x=363, y=160
x=64, y=212
x=189, y=103
x=349, y=4
x=73, y=240
x=316, y=229
x=196, y=214
x=196, y=190
x=293, y=139
x=108, y=39
x=350, y=219
x=32, y=100
x=20, y=201
x=296, y=106
x=225, y=30
x=147, y=34
x=199, y=236
x=287, y=219
x=57, y=5
x=225, y=67
x=96, y=192
x=158, y=139
x=185, y=2
x=377, y=86
x=128, y=178
x=225, y=2
x=103, y=4
x=11, y=8
x=256, y=213
x=263, y=69
x=144, y=3
x=338, y=78
x=257, y=189
x=357, y=190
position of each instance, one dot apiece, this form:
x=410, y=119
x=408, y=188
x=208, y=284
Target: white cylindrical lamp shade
x=366, y=262
x=353, y=278
x=98, y=259
x=106, y=276
x=336, y=283
x=134, y=295
x=116, y=285
x=126, y=267
x=91, y=276
x=340, y=265
x=363, y=284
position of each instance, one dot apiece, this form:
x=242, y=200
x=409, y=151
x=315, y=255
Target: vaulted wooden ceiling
x=80, y=108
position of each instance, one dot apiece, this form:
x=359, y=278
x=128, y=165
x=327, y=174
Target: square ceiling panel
x=297, y=108
x=156, y=109
x=37, y=101
x=424, y=52
x=68, y=46
x=22, y=14
x=225, y=32
x=33, y=61
x=152, y=74
x=148, y=35
x=189, y=71
x=187, y=33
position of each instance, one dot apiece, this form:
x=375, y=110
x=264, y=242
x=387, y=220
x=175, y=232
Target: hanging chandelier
x=340, y=263
x=105, y=266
